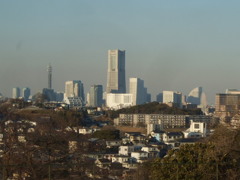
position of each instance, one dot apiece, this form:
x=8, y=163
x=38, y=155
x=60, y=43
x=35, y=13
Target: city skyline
x=171, y=45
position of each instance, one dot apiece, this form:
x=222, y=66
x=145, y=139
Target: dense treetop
x=154, y=108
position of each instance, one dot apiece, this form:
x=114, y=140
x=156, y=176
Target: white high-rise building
x=172, y=97
x=74, y=89
x=15, y=92
x=137, y=89
x=116, y=82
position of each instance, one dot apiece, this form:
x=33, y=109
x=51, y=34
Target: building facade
x=15, y=92
x=26, y=93
x=118, y=101
x=74, y=89
x=96, y=96
x=172, y=97
x=164, y=120
x=116, y=82
x=137, y=89
x=227, y=105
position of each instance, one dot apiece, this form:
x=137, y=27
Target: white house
x=197, y=129
x=139, y=155
x=120, y=159
x=172, y=136
x=125, y=150
x=149, y=149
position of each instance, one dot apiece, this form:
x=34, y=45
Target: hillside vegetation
x=153, y=108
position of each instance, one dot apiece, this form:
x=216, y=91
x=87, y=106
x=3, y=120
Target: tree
x=218, y=157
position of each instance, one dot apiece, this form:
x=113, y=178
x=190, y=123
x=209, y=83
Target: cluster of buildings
x=116, y=95
x=135, y=148
x=26, y=92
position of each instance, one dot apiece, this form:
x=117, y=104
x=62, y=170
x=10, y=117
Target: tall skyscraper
x=49, y=70
x=137, y=89
x=16, y=92
x=96, y=96
x=116, y=82
x=26, y=93
x=74, y=89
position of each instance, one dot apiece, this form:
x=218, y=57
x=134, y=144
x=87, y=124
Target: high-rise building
x=227, y=105
x=172, y=97
x=49, y=94
x=16, y=92
x=116, y=82
x=96, y=96
x=159, y=97
x=49, y=70
x=137, y=89
x=198, y=97
x=194, y=97
x=59, y=96
x=74, y=89
x=26, y=93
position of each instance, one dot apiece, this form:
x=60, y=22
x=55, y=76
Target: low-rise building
x=125, y=150
x=165, y=120
x=139, y=156
x=172, y=136
x=196, y=130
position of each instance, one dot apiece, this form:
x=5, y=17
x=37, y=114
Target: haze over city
x=171, y=45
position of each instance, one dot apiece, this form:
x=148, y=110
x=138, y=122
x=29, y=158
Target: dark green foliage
x=153, y=108
x=107, y=134
x=217, y=158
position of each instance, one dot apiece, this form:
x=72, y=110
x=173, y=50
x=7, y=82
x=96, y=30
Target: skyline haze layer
x=171, y=45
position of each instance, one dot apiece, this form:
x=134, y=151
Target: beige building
x=165, y=120
x=227, y=105
x=116, y=82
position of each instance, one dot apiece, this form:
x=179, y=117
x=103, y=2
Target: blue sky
x=172, y=45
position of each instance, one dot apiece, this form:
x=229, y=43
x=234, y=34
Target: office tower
x=74, y=89
x=172, y=97
x=116, y=82
x=59, y=96
x=26, y=93
x=49, y=94
x=96, y=96
x=148, y=98
x=159, y=97
x=137, y=89
x=16, y=92
x=49, y=70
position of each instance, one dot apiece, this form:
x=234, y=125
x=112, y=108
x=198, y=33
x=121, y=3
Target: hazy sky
x=170, y=44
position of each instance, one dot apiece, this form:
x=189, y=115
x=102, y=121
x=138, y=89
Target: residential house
x=125, y=150
x=196, y=130
x=139, y=156
x=172, y=136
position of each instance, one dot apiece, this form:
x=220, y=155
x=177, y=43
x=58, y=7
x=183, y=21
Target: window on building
x=196, y=126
